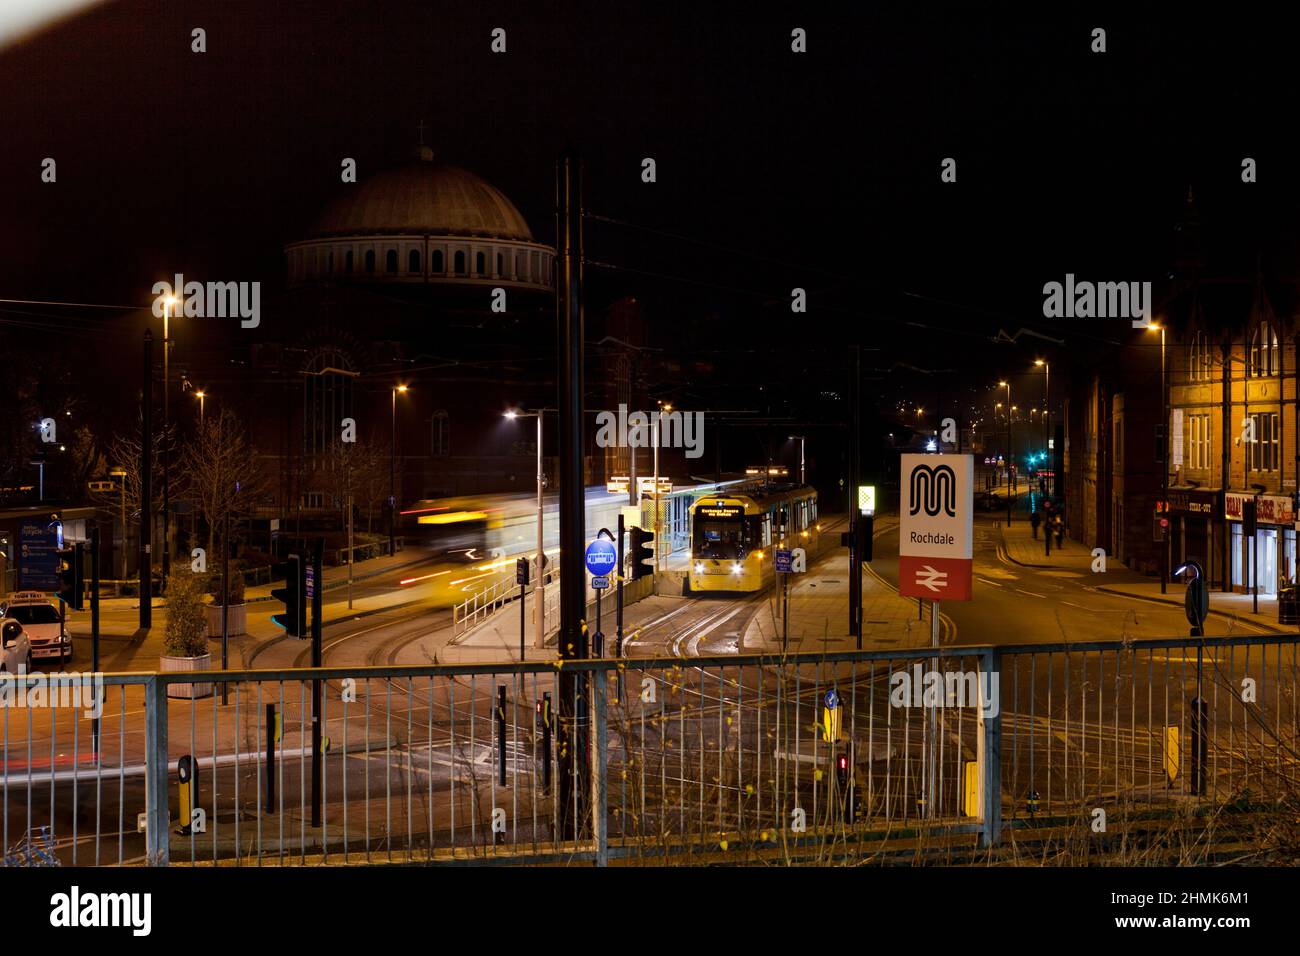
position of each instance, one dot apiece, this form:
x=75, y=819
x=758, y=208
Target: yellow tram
x=733, y=536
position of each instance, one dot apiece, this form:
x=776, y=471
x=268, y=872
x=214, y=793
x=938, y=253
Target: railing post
x=600, y=748
x=157, y=817
x=990, y=744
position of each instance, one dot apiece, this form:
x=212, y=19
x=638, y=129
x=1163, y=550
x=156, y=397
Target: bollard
x=187, y=772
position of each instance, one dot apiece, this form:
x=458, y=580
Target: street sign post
x=936, y=511
x=601, y=558
x=935, y=527
x=38, y=559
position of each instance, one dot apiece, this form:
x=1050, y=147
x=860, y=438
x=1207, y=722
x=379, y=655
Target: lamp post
x=1011, y=458
x=168, y=305
x=1047, y=417
x=539, y=590
x=120, y=474
x=1164, y=460
x=392, y=475
x=800, y=439
x=201, y=396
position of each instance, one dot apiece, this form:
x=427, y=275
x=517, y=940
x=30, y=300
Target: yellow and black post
x=187, y=772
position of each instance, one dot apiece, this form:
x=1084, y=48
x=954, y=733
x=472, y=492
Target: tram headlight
x=699, y=567
x=736, y=568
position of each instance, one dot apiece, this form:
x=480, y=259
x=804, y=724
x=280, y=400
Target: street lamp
x=392, y=475
x=800, y=439
x=539, y=594
x=1047, y=414
x=1164, y=459
x=169, y=304
x=1010, y=450
x=201, y=396
x=120, y=474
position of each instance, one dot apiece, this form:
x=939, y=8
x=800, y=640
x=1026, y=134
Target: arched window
x=460, y=262
x=480, y=264
x=435, y=261
x=413, y=261
x=390, y=261
x=501, y=264
x=329, y=262
x=1263, y=350
x=370, y=260
x=347, y=261
x=521, y=265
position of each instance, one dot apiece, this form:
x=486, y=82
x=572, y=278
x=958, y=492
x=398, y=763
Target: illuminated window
x=1263, y=351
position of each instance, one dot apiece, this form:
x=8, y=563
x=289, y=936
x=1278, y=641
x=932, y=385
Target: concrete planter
x=236, y=620
x=171, y=665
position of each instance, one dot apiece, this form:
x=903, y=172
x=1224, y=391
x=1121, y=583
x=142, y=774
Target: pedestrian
x=1034, y=519
x=1060, y=530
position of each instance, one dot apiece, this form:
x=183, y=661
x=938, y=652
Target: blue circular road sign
x=601, y=557
x=832, y=698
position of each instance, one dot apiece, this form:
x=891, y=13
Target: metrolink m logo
x=934, y=489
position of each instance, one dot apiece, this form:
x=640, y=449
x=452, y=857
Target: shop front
x=1269, y=556
x=1193, y=537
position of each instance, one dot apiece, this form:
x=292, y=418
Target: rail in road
x=702, y=755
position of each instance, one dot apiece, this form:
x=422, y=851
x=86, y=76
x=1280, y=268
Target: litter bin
x=1288, y=605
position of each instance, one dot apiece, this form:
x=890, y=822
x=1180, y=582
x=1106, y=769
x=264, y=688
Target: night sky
x=819, y=170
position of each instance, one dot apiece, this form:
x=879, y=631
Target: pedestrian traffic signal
x=70, y=577
x=642, y=563
x=293, y=595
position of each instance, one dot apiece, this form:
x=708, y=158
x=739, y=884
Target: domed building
x=426, y=223
x=390, y=320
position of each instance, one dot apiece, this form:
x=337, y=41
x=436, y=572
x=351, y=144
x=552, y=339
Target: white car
x=43, y=623
x=15, y=648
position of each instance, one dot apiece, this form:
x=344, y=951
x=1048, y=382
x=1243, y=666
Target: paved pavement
x=819, y=610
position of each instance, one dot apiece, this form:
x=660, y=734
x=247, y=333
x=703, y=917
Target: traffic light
x=642, y=563
x=70, y=576
x=850, y=798
x=862, y=535
x=293, y=594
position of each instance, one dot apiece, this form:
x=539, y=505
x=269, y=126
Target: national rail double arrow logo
x=932, y=578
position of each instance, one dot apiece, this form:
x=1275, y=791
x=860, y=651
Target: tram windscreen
x=721, y=533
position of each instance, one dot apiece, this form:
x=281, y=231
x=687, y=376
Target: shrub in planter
x=235, y=585
x=185, y=642
x=185, y=634
x=236, y=613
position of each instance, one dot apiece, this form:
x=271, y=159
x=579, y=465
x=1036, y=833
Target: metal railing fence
x=741, y=758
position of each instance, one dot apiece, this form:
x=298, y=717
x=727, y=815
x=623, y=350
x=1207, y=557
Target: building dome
x=424, y=198
x=424, y=223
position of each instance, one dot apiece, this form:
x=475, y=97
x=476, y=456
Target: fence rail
x=736, y=759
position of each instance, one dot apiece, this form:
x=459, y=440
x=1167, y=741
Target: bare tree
x=220, y=473
x=358, y=472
